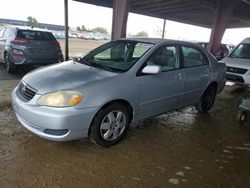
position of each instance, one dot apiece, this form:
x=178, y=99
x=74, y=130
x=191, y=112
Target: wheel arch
x=120, y=101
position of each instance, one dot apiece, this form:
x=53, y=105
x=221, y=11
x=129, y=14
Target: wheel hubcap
x=113, y=125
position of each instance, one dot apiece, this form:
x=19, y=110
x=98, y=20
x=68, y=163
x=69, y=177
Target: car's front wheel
x=10, y=67
x=207, y=99
x=110, y=125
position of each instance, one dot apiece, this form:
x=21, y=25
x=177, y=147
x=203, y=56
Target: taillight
x=16, y=52
x=55, y=42
x=20, y=41
x=60, y=55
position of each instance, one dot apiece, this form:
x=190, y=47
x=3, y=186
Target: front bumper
x=57, y=124
x=242, y=79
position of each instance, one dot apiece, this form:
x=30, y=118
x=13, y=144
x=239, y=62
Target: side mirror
x=151, y=69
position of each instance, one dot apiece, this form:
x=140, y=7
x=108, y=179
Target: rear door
x=197, y=71
x=161, y=92
x=40, y=44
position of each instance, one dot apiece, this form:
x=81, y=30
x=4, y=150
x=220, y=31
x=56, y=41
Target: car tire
x=110, y=125
x=10, y=67
x=207, y=99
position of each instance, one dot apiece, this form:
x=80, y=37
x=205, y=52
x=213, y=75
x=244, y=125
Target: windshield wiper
x=96, y=65
x=105, y=67
x=81, y=60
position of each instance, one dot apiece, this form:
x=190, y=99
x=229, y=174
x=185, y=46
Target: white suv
x=238, y=63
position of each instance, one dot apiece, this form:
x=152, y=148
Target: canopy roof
x=195, y=12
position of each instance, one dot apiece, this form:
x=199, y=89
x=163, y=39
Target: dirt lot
x=78, y=46
x=179, y=149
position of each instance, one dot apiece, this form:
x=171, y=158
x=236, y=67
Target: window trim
x=196, y=48
x=140, y=73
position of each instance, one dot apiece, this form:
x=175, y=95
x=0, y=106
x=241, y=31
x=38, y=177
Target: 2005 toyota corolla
x=99, y=95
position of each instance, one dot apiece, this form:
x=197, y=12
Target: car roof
x=246, y=40
x=26, y=28
x=158, y=41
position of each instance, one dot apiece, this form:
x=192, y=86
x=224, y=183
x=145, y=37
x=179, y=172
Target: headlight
x=61, y=99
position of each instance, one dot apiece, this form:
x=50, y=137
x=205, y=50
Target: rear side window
x=193, y=57
x=9, y=33
x=35, y=35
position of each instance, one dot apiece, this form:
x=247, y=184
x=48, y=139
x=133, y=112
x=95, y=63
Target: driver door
x=161, y=92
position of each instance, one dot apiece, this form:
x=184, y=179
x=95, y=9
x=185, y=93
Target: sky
x=91, y=16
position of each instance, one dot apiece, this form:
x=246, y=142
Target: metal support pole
x=120, y=17
x=164, y=27
x=224, y=10
x=66, y=18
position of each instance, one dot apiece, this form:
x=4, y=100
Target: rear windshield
x=35, y=35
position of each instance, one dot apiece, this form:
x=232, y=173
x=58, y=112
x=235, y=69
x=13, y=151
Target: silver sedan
x=100, y=94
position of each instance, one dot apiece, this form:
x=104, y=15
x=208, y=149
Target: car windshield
x=117, y=56
x=241, y=51
x=35, y=35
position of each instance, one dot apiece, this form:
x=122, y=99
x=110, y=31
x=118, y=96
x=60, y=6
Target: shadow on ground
x=15, y=76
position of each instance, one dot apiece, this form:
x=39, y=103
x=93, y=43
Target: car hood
x=236, y=62
x=68, y=75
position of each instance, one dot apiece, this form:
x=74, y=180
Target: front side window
x=166, y=57
x=193, y=57
x=117, y=55
x=241, y=51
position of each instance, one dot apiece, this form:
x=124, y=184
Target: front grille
x=236, y=70
x=26, y=91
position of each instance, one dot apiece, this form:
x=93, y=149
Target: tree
x=141, y=34
x=32, y=22
x=78, y=28
x=99, y=30
x=83, y=28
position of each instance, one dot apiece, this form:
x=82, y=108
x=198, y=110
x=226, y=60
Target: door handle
x=178, y=76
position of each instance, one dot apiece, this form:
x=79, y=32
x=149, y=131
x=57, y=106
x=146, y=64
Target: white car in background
x=238, y=63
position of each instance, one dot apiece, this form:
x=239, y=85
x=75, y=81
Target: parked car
x=28, y=46
x=238, y=63
x=223, y=50
x=100, y=94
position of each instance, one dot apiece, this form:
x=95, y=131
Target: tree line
x=32, y=22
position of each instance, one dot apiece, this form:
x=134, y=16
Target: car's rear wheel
x=207, y=99
x=110, y=125
x=10, y=66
